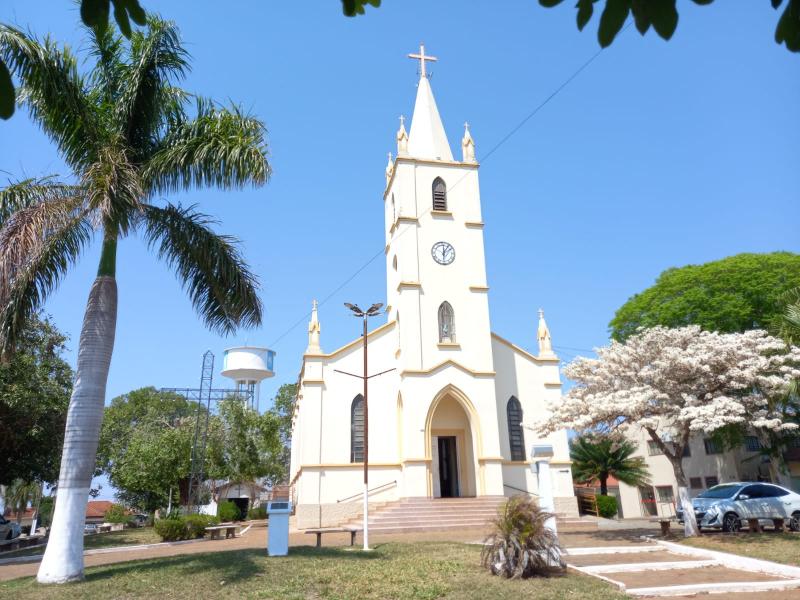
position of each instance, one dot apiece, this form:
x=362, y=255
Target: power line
x=483, y=159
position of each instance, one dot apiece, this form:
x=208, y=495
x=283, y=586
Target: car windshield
x=720, y=491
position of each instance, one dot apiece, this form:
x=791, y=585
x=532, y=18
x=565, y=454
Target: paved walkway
x=653, y=569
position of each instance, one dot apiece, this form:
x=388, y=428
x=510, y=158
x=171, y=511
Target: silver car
x=8, y=529
x=725, y=506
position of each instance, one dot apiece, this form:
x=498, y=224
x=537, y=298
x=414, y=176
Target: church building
x=449, y=417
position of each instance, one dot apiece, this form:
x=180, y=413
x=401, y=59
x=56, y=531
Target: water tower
x=248, y=366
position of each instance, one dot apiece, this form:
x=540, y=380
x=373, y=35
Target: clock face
x=443, y=253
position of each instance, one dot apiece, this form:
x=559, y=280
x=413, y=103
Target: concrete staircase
x=411, y=515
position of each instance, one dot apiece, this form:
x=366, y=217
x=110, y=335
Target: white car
x=725, y=506
x=8, y=529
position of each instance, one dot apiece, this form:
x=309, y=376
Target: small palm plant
x=596, y=458
x=521, y=544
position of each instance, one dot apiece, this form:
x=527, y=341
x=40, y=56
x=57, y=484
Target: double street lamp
x=372, y=311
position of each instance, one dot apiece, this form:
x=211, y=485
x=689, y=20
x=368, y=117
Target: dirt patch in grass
x=688, y=576
x=400, y=571
x=626, y=558
x=778, y=547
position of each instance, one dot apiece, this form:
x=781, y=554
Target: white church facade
x=448, y=418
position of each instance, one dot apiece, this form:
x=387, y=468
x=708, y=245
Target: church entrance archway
x=451, y=443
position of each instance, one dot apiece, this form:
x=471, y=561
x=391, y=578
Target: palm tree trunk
x=604, y=485
x=63, y=558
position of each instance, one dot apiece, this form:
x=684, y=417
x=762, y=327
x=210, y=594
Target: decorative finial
x=389, y=169
x=467, y=146
x=545, y=343
x=314, y=331
x=402, y=138
x=422, y=58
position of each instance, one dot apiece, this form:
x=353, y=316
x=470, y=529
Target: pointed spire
x=545, y=343
x=389, y=169
x=467, y=146
x=402, y=138
x=314, y=331
x=427, y=138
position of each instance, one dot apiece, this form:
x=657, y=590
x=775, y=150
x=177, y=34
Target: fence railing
x=587, y=502
x=369, y=491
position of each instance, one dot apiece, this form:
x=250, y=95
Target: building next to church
x=447, y=421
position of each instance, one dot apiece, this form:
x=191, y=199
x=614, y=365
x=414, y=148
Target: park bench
x=318, y=532
x=230, y=530
x=665, y=523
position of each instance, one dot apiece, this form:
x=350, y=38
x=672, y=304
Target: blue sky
x=657, y=155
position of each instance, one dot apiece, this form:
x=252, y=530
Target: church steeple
x=545, y=342
x=427, y=138
x=313, y=331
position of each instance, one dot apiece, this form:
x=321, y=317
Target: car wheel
x=794, y=522
x=8, y=535
x=731, y=523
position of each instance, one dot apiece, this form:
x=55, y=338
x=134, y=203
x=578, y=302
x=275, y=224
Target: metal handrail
x=520, y=490
x=359, y=494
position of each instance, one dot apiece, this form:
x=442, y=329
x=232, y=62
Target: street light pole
x=372, y=311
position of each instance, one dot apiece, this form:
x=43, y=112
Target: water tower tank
x=248, y=366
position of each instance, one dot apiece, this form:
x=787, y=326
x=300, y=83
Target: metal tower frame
x=206, y=397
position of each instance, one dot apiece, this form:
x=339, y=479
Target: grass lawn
x=778, y=547
x=420, y=571
x=126, y=537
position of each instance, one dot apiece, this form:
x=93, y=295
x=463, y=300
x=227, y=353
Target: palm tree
x=598, y=458
x=21, y=493
x=130, y=136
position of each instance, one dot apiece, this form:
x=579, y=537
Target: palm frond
x=222, y=288
x=54, y=92
x=148, y=101
x=28, y=192
x=38, y=244
x=220, y=147
x=107, y=76
x=113, y=189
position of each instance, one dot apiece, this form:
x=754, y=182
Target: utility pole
x=372, y=311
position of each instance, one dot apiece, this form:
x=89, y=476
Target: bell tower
x=436, y=269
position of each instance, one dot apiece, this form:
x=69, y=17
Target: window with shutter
x=516, y=439
x=439, y=194
x=447, y=324
x=357, y=430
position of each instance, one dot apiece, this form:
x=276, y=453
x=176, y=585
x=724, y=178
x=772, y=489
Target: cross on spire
x=422, y=57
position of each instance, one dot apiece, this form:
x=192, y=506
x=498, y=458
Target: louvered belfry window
x=447, y=324
x=357, y=430
x=516, y=440
x=439, y=194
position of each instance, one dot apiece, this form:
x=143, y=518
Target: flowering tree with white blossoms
x=674, y=383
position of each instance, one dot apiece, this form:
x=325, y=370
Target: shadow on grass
x=232, y=565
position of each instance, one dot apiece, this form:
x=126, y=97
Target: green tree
x=730, y=295
x=35, y=385
x=283, y=409
x=145, y=446
x=596, y=458
x=250, y=445
x=661, y=15
x=130, y=136
x=20, y=494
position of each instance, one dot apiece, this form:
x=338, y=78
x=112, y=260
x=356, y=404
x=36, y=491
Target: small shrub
x=196, y=524
x=607, y=506
x=228, y=511
x=116, y=514
x=258, y=513
x=520, y=544
x=172, y=530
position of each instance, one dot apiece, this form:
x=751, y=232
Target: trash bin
x=278, y=528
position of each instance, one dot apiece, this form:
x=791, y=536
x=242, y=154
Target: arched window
x=439, y=194
x=447, y=324
x=394, y=211
x=516, y=440
x=394, y=263
x=357, y=430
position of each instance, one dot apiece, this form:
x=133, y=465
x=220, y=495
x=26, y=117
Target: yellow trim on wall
x=442, y=213
x=409, y=285
x=479, y=288
x=524, y=353
x=474, y=224
x=357, y=466
x=486, y=459
x=313, y=382
x=448, y=362
x=354, y=343
x=552, y=384
x=448, y=346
